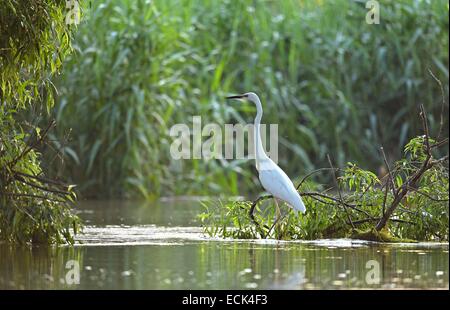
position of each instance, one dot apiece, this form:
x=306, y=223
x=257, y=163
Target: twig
x=437, y=161
x=339, y=191
x=390, y=177
x=441, y=124
x=310, y=174
x=41, y=179
x=338, y=201
x=366, y=190
x=46, y=189
x=385, y=198
x=414, y=178
x=26, y=150
x=35, y=196
x=423, y=116
x=440, y=143
x=426, y=195
x=358, y=222
x=24, y=211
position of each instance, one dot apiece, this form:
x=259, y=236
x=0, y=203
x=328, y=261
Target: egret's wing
x=276, y=182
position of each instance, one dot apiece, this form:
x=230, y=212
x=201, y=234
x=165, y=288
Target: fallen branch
x=413, y=180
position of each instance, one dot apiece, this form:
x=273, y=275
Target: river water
x=141, y=245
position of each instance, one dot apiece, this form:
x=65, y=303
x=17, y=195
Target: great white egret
x=273, y=179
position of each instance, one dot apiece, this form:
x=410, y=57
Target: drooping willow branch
x=32, y=145
x=50, y=189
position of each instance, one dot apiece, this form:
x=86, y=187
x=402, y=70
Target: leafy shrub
x=33, y=41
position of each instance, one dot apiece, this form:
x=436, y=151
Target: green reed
x=333, y=83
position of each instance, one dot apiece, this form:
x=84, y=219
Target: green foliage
x=232, y=220
x=32, y=208
x=415, y=148
x=127, y=86
x=334, y=84
x=33, y=40
x=422, y=215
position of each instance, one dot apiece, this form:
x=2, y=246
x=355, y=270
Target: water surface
x=134, y=245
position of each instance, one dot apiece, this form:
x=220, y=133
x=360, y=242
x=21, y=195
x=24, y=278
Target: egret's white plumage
x=273, y=179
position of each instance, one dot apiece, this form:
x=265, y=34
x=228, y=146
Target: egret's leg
x=277, y=218
x=278, y=211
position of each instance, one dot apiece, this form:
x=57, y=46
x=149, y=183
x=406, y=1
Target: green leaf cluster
x=34, y=39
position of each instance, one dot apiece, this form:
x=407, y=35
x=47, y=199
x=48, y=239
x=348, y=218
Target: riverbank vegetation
x=33, y=42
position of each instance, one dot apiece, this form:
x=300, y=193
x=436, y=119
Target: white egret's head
x=247, y=96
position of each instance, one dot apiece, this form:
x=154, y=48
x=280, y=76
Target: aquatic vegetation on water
x=358, y=207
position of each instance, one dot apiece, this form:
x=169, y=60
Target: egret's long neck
x=260, y=154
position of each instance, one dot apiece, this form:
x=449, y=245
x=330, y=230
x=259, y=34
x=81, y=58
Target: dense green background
x=333, y=83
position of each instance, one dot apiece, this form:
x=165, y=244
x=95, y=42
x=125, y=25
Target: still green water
x=133, y=245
